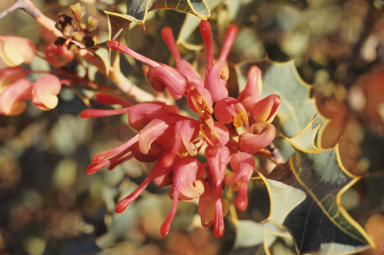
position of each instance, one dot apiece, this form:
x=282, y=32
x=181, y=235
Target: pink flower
x=251, y=93
x=12, y=98
x=266, y=109
x=45, y=91
x=188, y=185
x=16, y=50
x=57, y=55
x=243, y=166
x=217, y=158
x=159, y=76
x=184, y=67
x=9, y=75
x=229, y=110
x=260, y=136
x=15, y=90
x=173, y=141
x=213, y=208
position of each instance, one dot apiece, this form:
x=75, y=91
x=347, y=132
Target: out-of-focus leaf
x=137, y=9
x=65, y=173
x=68, y=132
x=101, y=62
x=99, y=59
x=297, y=109
x=254, y=234
x=248, y=233
x=192, y=22
x=80, y=245
x=116, y=28
x=308, y=203
x=116, y=25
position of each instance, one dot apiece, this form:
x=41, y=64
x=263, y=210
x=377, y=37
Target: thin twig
x=15, y=6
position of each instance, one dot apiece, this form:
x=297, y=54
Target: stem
x=15, y=6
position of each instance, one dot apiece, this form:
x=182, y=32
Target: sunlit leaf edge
x=133, y=19
x=342, y=210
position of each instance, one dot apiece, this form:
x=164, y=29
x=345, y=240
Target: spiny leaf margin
x=299, y=200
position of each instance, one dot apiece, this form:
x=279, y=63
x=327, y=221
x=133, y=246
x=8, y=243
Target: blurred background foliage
x=48, y=205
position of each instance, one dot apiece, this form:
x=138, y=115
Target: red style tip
x=93, y=168
x=205, y=30
x=165, y=229
x=169, y=40
x=230, y=36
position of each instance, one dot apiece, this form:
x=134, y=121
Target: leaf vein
x=309, y=191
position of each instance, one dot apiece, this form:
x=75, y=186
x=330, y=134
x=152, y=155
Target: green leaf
x=248, y=233
x=191, y=23
x=308, y=202
x=137, y=9
x=262, y=235
x=297, y=108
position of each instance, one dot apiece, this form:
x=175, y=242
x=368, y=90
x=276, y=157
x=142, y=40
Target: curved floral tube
x=216, y=83
x=266, y=109
x=188, y=185
x=152, y=131
x=243, y=166
x=141, y=114
x=184, y=67
x=212, y=209
x=230, y=36
x=251, y=93
x=217, y=158
x=165, y=76
x=261, y=135
x=230, y=110
x=188, y=179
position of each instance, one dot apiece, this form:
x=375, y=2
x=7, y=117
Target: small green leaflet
x=308, y=203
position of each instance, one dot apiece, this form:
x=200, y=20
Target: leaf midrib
x=309, y=191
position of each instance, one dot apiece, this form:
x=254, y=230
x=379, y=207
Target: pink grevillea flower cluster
x=173, y=141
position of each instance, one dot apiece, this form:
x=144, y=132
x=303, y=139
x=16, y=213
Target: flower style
x=173, y=140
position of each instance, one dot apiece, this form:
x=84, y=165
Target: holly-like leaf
x=137, y=9
x=308, y=203
x=297, y=108
x=261, y=236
